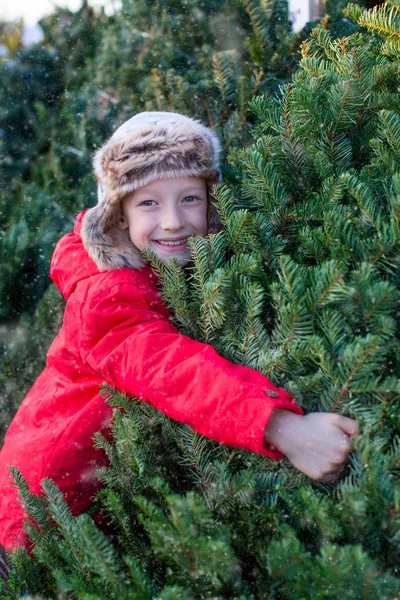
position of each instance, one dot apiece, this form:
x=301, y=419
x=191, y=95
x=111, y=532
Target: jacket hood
x=71, y=263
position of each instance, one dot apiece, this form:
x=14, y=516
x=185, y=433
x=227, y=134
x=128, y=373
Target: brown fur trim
x=144, y=154
x=110, y=251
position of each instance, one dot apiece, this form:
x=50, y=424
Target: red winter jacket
x=117, y=329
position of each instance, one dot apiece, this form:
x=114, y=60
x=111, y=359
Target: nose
x=172, y=218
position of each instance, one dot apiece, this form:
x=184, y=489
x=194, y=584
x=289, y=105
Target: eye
x=191, y=199
x=147, y=203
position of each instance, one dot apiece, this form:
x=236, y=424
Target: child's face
x=163, y=214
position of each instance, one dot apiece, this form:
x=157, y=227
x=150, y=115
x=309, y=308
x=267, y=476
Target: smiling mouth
x=172, y=243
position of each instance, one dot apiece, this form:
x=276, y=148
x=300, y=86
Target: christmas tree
x=301, y=284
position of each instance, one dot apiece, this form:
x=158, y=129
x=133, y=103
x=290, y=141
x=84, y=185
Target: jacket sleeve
x=139, y=351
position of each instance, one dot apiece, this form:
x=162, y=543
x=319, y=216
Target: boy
x=155, y=175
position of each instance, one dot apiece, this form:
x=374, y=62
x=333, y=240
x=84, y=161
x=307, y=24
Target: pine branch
x=383, y=20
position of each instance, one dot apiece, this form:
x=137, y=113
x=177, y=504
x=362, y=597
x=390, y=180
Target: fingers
x=346, y=445
x=330, y=468
x=324, y=445
x=334, y=472
x=327, y=476
x=331, y=477
x=338, y=461
x=328, y=471
x=349, y=426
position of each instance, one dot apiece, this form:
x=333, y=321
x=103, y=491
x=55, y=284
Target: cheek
x=140, y=228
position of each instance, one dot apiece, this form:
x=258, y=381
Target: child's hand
x=317, y=444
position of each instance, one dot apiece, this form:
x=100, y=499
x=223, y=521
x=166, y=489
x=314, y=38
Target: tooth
x=176, y=243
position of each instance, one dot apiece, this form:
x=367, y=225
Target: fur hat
x=149, y=146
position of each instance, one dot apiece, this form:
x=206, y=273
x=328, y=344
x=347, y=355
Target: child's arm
x=137, y=349
x=317, y=444
x=127, y=338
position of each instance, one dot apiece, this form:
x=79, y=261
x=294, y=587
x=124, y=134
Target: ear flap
x=112, y=250
x=122, y=223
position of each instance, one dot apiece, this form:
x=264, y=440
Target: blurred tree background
x=306, y=156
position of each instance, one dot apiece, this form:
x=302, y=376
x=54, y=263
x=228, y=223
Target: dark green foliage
x=34, y=78
x=36, y=191
x=187, y=514
x=23, y=349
